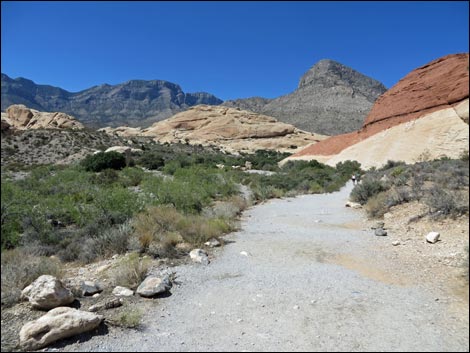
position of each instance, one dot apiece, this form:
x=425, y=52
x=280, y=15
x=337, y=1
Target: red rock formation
x=443, y=83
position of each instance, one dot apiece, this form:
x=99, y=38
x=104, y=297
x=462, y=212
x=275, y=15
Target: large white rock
x=47, y=292
x=200, y=256
x=58, y=323
x=153, y=285
x=432, y=237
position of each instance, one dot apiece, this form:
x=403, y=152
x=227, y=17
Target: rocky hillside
x=330, y=99
x=132, y=103
x=424, y=116
x=230, y=129
x=22, y=118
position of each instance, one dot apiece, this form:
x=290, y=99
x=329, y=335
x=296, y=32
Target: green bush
x=104, y=160
x=365, y=190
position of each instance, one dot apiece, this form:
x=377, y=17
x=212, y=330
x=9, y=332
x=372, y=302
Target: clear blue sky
x=230, y=49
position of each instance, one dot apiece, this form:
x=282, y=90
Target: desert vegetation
x=166, y=196
x=440, y=184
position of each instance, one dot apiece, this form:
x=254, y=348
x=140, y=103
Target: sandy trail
x=313, y=281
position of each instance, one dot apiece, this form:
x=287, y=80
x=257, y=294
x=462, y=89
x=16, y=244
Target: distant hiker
x=353, y=178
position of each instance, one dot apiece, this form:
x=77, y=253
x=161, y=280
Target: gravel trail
x=312, y=281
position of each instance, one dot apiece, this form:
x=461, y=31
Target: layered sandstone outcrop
x=425, y=115
x=20, y=117
x=230, y=129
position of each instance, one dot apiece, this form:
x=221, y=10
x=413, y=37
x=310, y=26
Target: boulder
x=200, y=256
x=432, y=237
x=154, y=285
x=23, y=118
x=47, y=292
x=58, y=323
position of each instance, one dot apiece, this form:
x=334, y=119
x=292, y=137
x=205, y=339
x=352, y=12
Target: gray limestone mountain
x=132, y=103
x=330, y=99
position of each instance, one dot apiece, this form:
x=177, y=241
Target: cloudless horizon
x=233, y=49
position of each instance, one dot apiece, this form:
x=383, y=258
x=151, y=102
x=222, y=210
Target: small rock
x=395, y=243
x=296, y=307
x=113, y=303
x=244, y=253
x=380, y=232
x=212, y=243
x=122, y=292
x=88, y=288
x=96, y=295
x=200, y=256
x=353, y=204
x=379, y=224
x=432, y=237
x=153, y=285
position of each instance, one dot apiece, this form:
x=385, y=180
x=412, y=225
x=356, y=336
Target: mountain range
x=135, y=102
x=330, y=99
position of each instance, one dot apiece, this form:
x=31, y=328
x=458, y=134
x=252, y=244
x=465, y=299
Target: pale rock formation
x=153, y=285
x=20, y=117
x=58, y=323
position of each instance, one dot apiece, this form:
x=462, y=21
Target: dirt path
x=314, y=280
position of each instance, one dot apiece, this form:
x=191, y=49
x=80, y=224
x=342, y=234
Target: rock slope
x=135, y=102
x=424, y=116
x=22, y=118
x=230, y=129
x=330, y=99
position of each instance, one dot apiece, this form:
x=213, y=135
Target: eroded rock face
x=20, y=117
x=57, y=324
x=230, y=129
x=425, y=113
x=47, y=292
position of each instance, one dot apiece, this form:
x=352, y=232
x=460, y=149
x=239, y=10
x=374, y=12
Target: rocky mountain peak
x=328, y=73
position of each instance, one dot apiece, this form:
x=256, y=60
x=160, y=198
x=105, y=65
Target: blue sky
x=230, y=49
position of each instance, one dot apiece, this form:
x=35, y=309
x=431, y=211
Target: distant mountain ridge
x=330, y=99
x=135, y=102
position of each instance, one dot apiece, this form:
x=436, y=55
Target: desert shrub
x=131, y=176
x=196, y=230
x=127, y=318
x=151, y=160
x=377, y=205
x=20, y=269
x=104, y=160
x=391, y=164
x=130, y=271
x=365, y=190
x=105, y=177
x=446, y=203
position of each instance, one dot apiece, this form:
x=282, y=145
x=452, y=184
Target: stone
x=378, y=224
x=244, y=253
x=199, y=256
x=353, y=205
x=395, y=243
x=380, y=232
x=154, y=285
x=432, y=237
x=109, y=304
x=123, y=292
x=58, y=323
x=47, y=292
x=89, y=288
x=212, y=243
